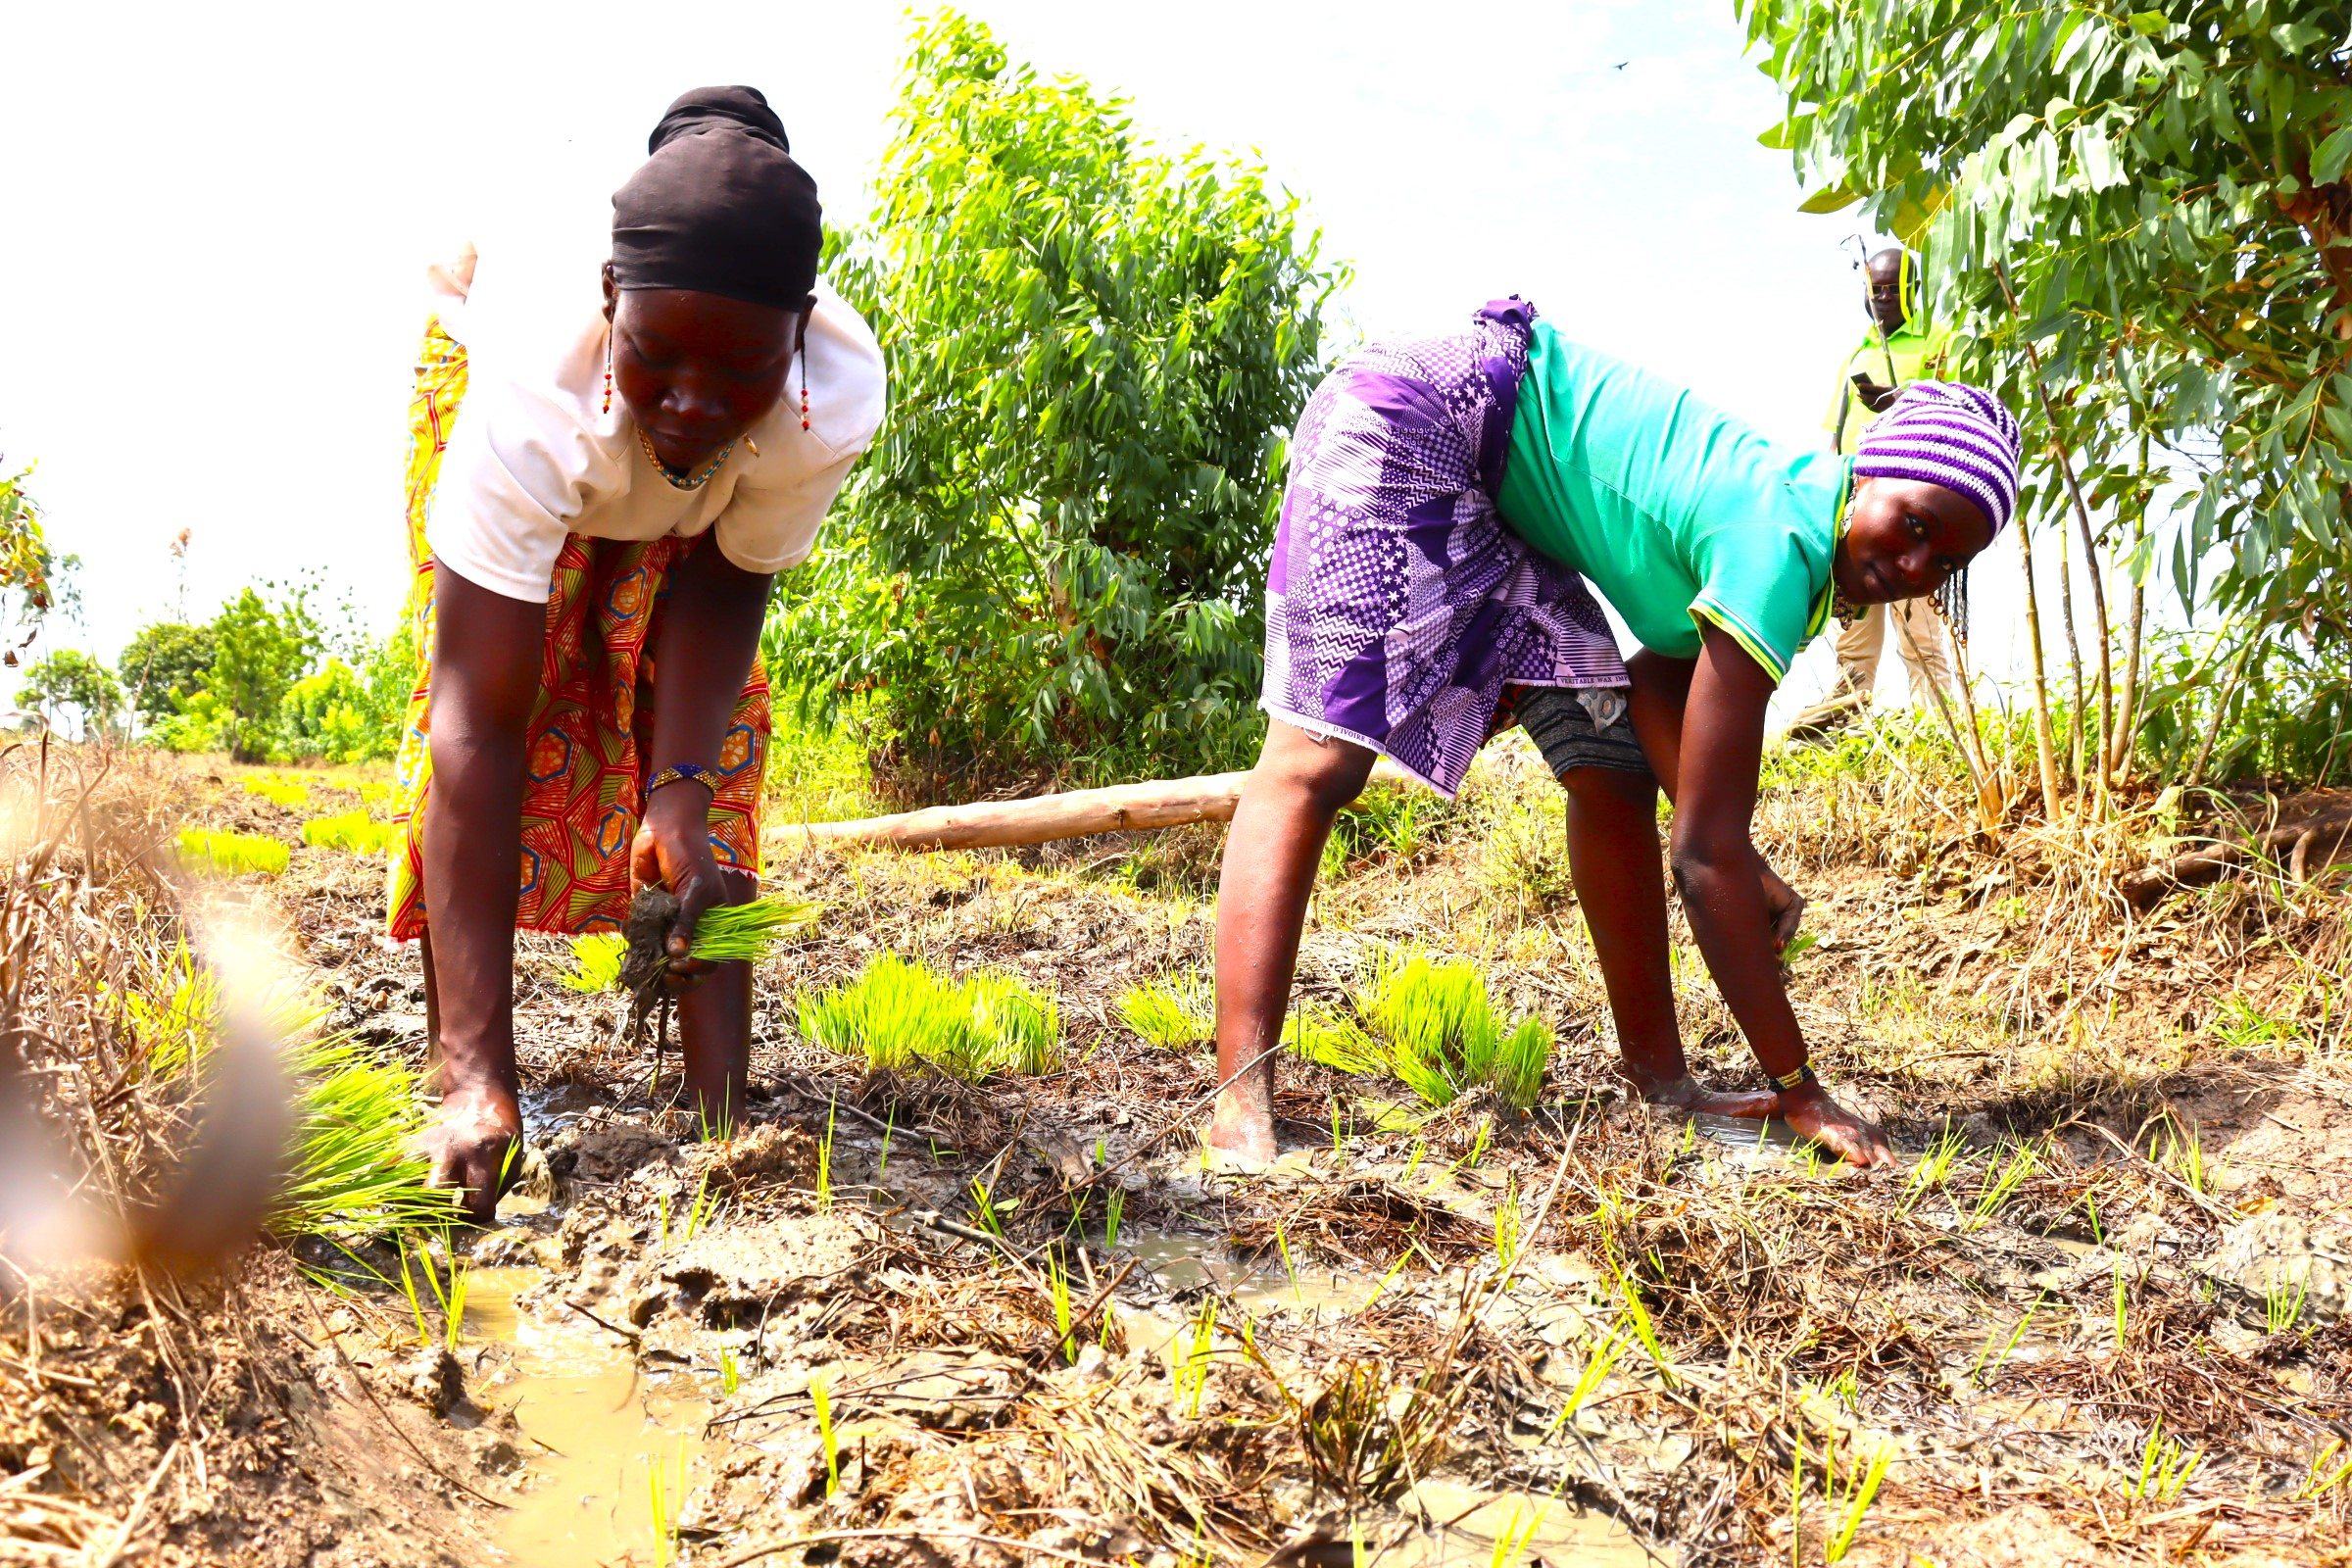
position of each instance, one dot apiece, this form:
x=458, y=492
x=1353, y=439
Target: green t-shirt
x=1673, y=509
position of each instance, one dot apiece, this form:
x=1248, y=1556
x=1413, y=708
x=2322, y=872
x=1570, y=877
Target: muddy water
x=1465, y=1527
x=602, y=1439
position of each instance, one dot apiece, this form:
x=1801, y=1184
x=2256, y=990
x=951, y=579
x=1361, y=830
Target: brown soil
x=1365, y=1372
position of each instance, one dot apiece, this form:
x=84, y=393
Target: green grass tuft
x=231, y=853
x=1444, y=1037
x=1174, y=1013
x=353, y=831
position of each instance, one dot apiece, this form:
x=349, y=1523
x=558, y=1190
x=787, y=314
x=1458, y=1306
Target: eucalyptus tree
x=2140, y=223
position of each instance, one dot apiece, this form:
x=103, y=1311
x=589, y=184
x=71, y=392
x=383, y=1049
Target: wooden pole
x=1043, y=818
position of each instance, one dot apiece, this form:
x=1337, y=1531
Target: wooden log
x=1043, y=818
x=2141, y=889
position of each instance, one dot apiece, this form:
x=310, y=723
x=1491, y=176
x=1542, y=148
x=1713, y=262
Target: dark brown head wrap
x=721, y=206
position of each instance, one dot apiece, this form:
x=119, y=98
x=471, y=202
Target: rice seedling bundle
x=745, y=932
x=898, y=1012
x=1334, y=1042
x=355, y=832
x=1172, y=1014
x=1444, y=1037
x=231, y=853
x=291, y=793
x=356, y=1115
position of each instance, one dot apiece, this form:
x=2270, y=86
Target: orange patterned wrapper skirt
x=591, y=724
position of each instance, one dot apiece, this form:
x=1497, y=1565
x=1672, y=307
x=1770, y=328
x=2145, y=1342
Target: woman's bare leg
x=1271, y=856
x=714, y=1032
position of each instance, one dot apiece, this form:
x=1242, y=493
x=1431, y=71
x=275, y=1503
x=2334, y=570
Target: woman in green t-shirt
x=1448, y=500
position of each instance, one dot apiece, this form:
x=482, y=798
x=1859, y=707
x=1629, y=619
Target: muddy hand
x=1784, y=904
x=1692, y=1098
x=1853, y=1139
x=673, y=850
x=474, y=1144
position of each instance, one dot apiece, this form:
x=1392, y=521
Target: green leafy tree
x=343, y=714
x=72, y=682
x=2163, y=191
x=25, y=566
x=1058, y=546
x=260, y=649
x=165, y=664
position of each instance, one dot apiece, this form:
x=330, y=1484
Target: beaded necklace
x=663, y=468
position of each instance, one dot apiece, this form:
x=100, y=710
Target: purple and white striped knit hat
x=1947, y=433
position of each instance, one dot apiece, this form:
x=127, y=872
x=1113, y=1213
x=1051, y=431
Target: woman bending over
x=622, y=480
x=1448, y=500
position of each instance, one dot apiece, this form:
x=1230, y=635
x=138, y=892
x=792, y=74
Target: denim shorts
x=1577, y=726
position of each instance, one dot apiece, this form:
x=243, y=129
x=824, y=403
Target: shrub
x=231, y=853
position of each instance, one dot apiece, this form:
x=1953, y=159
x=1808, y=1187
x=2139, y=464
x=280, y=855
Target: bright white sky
x=218, y=216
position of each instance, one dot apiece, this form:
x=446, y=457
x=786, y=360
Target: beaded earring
x=607, y=369
x=803, y=377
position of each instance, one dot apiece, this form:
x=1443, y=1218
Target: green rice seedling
x=745, y=933
x=1381, y=1284
x=354, y=832
x=1115, y=1205
x=231, y=853
x=1597, y=1367
x=1194, y=1357
x=1932, y=1169
x=1647, y=1332
x=890, y=1129
x=661, y=1214
x=988, y=1210
x=2179, y=1150
x=1332, y=1042
x=824, y=1158
x=1019, y=1025
x=1478, y=1144
x=291, y=793
x=820, y=1395
x=1281, y=1245
x=2164, y=1468
x=1510, y=1544
x=1420, y=1151
x=1174, y=1013
x=704, y=1209
x=1507, y=1224
x=730, y=1372
x=664, y=1496
x=896, y=1013
x=2282, y=1309
x=596, y=960
x=1338, y=1135
x=1520, y=1061
x=1999, y=1187
x=2123, y=1306
x=2008, y=1348
x=2319, y=1481
x=1058, y=1279
x=1851, y=1505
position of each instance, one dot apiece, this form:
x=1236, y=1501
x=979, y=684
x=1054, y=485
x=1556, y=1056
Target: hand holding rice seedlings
x=1174, y=1013
x=354, y=832
x=231, y=853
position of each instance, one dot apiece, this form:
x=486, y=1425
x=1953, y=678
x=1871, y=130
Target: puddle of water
x=1492, y=1528
x=602, y=1439
x=1181, y=1261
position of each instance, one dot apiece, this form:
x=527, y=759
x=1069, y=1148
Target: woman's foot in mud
x=1692, y=1098
x=1240, y=1135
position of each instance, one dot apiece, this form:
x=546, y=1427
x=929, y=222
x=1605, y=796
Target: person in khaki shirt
x=1899, y=347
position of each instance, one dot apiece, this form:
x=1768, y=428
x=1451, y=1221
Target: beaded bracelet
x=692, y=772
x=1803, y=1076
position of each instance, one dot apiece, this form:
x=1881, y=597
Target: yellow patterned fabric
x=591, y=724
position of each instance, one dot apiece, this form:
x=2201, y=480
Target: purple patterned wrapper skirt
x=1398, y=605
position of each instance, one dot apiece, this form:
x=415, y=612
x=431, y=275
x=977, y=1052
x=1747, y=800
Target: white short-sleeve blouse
x=535, y=455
